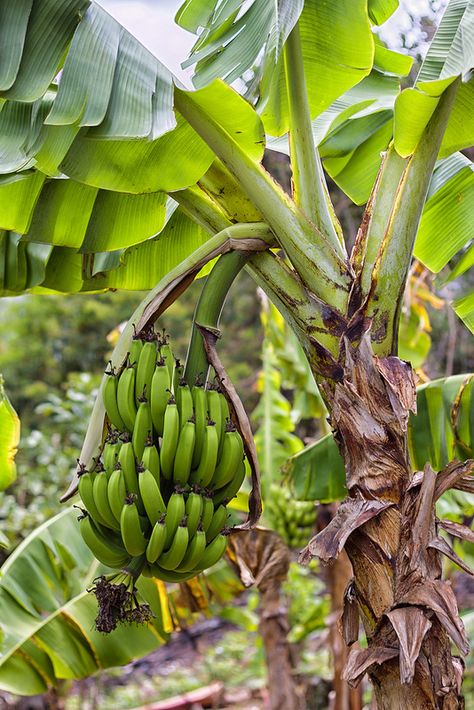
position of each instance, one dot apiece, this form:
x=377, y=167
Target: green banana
x=193, y=512
x=207, y=464
x=175, y=511
x=225, y=413
x=230, y=459
x=159, y=395
x=185, y=404
x=184, y=454
x=128, y=465
x=126, y=397
x=194, y=552
x=215, y=412
x=110, y=454
x=217, y=523
x=109, y=396
x=225, y=494
x=99, y=491
x=151, y=461
x=151, y=496
x=171, y=577
x=145, y=370
x=170, y=439
x=170, y=559
x=86, y=486
x=178, y=372
x=207, y=511
x=106, y=551
x=142, y=428
x=133, y=538
x=167, y=354
x=156, y=542
x=200, y=420
x=135, y=349
x=116, y=493
x=213, y=552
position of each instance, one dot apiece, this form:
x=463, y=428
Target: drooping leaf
x=230, y=42
x=442, y=429
x=143, y=265
x=9, y=439
x=464, y=308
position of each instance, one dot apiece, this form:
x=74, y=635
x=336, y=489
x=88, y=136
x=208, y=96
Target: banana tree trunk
x=273, y=628
x=345, y=697
x=387, y=526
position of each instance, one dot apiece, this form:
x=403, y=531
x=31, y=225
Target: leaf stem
x=209, y=308
x=315, y=259
x=388, y=273
x=309, y=184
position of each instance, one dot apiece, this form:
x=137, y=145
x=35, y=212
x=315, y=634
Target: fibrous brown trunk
x=345, y=697
x=387, y=526
x=262, y=559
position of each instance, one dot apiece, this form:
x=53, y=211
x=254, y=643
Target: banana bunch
x=292, y=519
x=171, y=462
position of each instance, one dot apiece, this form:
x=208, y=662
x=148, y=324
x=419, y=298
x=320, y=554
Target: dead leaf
x=410, y=625
x=350, y=616
x=451, y=475
x=438, y=543
x=360, y=661
x=439, y=597
x=260, y=556
x=457, y=530
x=351, y=514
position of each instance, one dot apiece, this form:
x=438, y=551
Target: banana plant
x=112, y=177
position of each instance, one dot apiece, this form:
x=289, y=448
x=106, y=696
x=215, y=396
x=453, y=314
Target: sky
x=152, y=22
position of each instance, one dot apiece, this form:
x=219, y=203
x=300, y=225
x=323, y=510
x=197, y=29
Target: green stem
x=209, y=309
x=314, y=258
x=390, y=270
x=202, y=209
x=309, y=185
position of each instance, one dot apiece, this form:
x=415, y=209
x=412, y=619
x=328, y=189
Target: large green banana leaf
x=337, y=46
x=451, y=54
x=443, y=429
x=47, y=616
x=9, y=439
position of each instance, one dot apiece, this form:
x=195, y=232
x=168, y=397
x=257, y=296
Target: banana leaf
x=442, y=430
x=47, y=615
x=9, y=439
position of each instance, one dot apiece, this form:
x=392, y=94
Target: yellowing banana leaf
x=442, y=430
x=47, y=616
x=9, y=439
